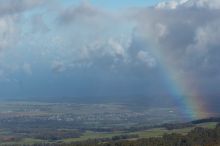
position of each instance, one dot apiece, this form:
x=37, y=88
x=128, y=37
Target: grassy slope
x=156, y=132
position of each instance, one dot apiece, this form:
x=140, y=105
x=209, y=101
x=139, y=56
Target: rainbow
x=187, y=98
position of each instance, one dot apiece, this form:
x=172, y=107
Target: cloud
x=94, y=38
x=10, y=7
x=8, y=32
x=214, y=4
x=38, y=24
x=133, y=45
x=172, y=4
x=11, y=17
x=116, y=47
x=146, y=58
x=178, y=4
x=186, y=34
x=177, y=28
x=85, y=14
x=58, y=66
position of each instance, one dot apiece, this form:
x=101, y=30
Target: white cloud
x=211, y=4
x=146, y=58
x=162, y=30
x=174, y=4
x=116, y=47
x=9, y=32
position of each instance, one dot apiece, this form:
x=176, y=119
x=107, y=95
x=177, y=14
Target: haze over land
x=93, y=51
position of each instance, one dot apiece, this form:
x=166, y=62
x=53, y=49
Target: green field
x=31, y=122
x=155, y=132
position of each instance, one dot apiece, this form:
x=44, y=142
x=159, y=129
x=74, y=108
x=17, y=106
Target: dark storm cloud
x=188, y=32
x=84, y=45
x=9, y=7
x=84, y=12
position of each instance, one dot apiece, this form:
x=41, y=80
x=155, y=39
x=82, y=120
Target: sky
x=115, y=4
x=137, y=50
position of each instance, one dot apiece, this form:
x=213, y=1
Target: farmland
x=31, y=122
